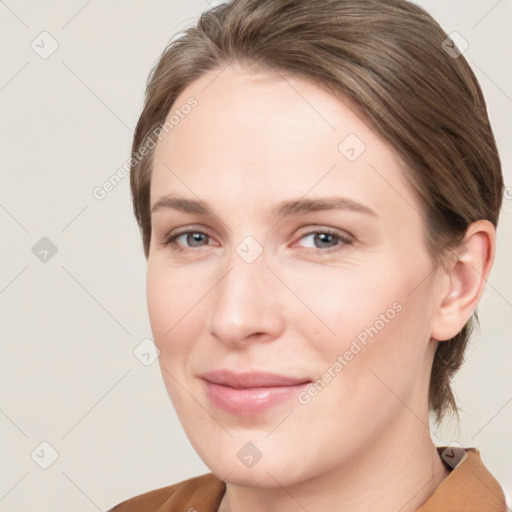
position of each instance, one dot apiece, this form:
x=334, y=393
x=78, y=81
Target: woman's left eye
x=327, y=241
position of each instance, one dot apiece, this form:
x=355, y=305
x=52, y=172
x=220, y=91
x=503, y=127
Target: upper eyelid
x=304, y=231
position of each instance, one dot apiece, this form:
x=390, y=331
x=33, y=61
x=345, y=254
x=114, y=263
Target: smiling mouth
x=250, y=393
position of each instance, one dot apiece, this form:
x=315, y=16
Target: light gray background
x=68, y=375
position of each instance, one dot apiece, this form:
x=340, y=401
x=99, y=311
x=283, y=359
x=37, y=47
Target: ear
x=466, y=276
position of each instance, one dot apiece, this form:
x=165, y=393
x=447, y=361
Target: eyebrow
x=282, y=209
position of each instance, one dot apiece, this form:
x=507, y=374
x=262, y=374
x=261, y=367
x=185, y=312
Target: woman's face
x=298, y=250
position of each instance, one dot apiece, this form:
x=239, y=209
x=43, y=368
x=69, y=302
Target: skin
x=257, y=138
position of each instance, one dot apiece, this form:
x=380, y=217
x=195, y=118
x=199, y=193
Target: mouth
x=250, y=393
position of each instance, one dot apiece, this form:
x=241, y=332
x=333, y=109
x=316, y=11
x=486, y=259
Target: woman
x=318, y=189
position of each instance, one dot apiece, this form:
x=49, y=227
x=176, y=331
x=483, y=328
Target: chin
x=272, y=470
x=263, y=477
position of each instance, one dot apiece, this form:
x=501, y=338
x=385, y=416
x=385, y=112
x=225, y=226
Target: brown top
x=468, y=488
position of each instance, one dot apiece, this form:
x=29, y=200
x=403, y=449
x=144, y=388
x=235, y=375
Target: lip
x=250, y=393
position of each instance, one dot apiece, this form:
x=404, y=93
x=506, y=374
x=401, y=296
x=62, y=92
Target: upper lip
x=250, y=379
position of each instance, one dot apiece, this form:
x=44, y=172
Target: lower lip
x=250, y=401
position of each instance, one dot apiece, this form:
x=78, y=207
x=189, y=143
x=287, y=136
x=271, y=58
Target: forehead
x=265, y=135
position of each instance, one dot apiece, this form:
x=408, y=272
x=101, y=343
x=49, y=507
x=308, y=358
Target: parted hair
x=395, y=62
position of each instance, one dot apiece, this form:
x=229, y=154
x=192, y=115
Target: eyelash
x=170, y=240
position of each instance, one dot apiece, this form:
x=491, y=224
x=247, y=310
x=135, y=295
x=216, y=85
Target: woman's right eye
x=190, y=239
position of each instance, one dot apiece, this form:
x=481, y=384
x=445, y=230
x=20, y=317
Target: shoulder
x=202, y=492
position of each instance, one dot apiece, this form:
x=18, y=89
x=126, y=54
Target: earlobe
x=466, y=276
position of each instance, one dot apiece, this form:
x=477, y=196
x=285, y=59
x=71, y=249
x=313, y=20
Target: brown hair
x=391, y=59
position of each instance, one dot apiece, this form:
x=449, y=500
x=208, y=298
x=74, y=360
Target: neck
x=399, y=471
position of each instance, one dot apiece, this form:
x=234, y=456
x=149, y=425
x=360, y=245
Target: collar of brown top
x=468, y=488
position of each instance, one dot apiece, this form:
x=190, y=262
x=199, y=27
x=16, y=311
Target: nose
x=246, y=305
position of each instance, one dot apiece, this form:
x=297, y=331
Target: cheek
x=159, y=295
x=340, y=303
x=373, y=318
x=173, y=313
x=387, y=349
x=172, y=307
